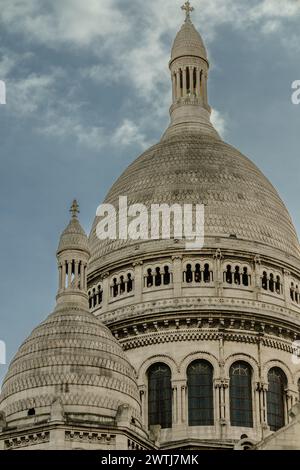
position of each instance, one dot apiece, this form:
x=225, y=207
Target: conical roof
x=188, y=42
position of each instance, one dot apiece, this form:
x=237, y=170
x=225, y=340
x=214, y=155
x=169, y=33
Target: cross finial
x=188, y=9
x=74, y=209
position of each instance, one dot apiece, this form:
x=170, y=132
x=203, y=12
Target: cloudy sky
x=88, y=90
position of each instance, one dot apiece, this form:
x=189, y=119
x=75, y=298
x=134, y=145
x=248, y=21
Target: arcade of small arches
x=188, y=81
x=193, y=273
x=239, y=393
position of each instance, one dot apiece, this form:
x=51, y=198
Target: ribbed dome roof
x=188, y=42
x=74, y=358
x=195, y=168
x=73, y=237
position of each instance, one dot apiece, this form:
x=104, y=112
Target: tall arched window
x=240, y=391
x=276, y=398
x=159, y=395
x=200, y=393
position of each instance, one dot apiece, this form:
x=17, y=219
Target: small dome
x=74, y=359
x=73, y=237
x=188, y=42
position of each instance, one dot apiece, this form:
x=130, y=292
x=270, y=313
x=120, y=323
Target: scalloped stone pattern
x=192, y=168
x=188, y=42
x=73, y=357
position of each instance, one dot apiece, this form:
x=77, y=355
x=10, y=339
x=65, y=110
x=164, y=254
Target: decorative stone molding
x=90, y=437
x=27, y=440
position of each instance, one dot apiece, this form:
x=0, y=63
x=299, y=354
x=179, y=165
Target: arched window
x=271, y=282
x=189, y=273
x=240, y=391
x=200, y=393
x=122, y=285
x=129, y=283
x=149, y=278
x=167, y=277
x=278, y=285
x=159, y=395
x=264, y=281
x=276, y=398
x=237, y=275
x=228, y=275
x=206, y=274
x=245, y=277
x=94, y=298
x=115, y=288
x=157, y=277
x=197, y=273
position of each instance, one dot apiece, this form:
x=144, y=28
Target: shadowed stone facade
x=125, y=306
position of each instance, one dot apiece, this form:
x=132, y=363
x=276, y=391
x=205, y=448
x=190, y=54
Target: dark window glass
x=160, y=396
x=149, y=278
x=200, y=394
x=275, y=398
x=245, y=277
x=206, y=274
x=167, y=277
x=189, y=274
x=228, y=275
x=241, y=395
x=264, y=281
x=157, y=277
x=129, y=283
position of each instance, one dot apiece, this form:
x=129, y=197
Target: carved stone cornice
x=137, y=263
x=26, y=440
x=262, y=386
x=221, y=382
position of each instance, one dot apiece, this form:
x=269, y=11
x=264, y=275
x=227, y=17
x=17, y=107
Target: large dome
x=71, y=358
x=199, y=168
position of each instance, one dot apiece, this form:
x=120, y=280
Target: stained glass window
x=276, y=398
x=160, y=395
x=200, y=393
x=240, y=391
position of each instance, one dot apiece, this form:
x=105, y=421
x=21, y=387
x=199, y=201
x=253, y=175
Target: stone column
x=175, y=408
x=204, y=81
x=144, y=405
x=184, y=417
x=85, y=276
x=174, y=87
x=184, y=82
x=64, y=266
x=69, y=273
x=191, y=71
x=286, y=287
x=82, y=277
x=76, y=274
x=218, y=275
x=198, y=72
x=138, y=280
x=257, y=277
x=262, y=389
x=106, y=290
x=178, y=84
x=177, y=275
x=60, y=282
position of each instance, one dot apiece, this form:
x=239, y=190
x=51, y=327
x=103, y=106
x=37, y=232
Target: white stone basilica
x=151, y=345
